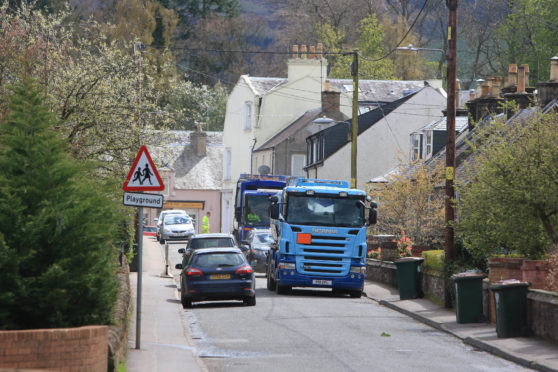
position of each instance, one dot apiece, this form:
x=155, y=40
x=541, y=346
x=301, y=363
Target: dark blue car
x=210, y=274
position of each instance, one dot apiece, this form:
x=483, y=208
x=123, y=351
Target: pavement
x=165, y=343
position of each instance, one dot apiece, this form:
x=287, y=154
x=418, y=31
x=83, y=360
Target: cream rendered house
x=383, y=138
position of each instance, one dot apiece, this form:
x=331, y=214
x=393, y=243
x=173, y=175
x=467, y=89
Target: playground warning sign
x=143, y=175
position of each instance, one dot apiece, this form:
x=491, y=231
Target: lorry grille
x=326, y=255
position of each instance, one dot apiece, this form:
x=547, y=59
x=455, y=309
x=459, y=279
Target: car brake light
x=303, y=238
x=246, y=269
x=193, y=272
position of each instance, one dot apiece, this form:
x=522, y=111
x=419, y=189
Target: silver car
x=176, y=227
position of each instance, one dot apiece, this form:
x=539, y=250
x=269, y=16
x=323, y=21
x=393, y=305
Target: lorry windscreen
x=257, y=210
x=318, y=210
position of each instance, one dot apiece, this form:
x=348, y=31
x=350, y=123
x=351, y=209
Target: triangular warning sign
x=143, y=175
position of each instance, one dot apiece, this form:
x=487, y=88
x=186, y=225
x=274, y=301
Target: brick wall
x=60, y=349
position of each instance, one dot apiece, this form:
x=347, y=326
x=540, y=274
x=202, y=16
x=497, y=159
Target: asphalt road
x=309, y=330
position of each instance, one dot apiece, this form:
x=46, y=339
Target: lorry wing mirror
x=274, y=199
x=237, y=213
x=372, y=216
x=274, y=211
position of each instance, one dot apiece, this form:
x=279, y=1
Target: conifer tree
x=56, y=225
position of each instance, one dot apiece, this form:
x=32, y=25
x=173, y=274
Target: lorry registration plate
x=321, y=282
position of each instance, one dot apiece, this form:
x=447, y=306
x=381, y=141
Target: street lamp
x=410, y=49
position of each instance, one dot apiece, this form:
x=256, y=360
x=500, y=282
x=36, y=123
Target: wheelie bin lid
x=508, y=283
x=409, y=259
x=469, y=274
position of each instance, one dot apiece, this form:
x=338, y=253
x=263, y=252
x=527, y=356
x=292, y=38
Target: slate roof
x=336, y=136
x=370, y=90
x=192, y=172
x=461, y=124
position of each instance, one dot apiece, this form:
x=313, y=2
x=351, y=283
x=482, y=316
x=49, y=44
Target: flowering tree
x=408, y=203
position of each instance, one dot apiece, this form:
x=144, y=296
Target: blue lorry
x=251, y=206
x=319, y=228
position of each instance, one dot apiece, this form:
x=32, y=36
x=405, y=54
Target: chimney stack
x=198, y=140
x=548, y=91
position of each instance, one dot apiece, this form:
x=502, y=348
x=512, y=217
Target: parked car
x=161, y=218
x=256, y=247
x=214, y=274
x=150, y=230
x=213, y=240
x=176, y=227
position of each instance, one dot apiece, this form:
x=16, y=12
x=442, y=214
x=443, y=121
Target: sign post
x=139, y=179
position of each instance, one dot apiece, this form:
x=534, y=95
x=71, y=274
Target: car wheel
x=250, y=301
x=161, y=240
x=186, y=302
x=355, y=294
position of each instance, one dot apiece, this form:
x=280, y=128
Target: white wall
x=387, y=143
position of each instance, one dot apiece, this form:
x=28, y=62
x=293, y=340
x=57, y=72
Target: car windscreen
x=211, y=243
x=218, y=259
x=176, y=220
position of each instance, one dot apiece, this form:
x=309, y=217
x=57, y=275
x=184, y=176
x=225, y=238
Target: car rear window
x=211, y=243
x=218, y=259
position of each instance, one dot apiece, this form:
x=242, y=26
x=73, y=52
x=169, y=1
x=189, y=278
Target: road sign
x=136, y=199
x=143, y=175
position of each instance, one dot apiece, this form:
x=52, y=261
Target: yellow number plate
x=220, y=276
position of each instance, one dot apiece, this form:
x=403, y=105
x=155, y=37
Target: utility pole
x=354, y=129
x=450, y=131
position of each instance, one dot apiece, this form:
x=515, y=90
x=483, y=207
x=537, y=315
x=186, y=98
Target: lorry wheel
x=271, y=284
x=355, y=294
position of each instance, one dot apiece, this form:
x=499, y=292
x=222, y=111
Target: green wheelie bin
x=510, y=303
x=408, y=277
x=468, y=296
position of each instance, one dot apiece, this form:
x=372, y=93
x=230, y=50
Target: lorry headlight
x=287, y=266
x=358, y=269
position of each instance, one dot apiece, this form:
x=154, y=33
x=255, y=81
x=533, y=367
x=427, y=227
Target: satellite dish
x=263, y=169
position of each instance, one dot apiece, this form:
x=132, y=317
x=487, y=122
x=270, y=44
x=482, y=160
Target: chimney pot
x=496, y=86
x=484, y=90
x=319, y=50
x=295, y=51
x=512, y=75
x=327, y=86
x=312, y=52
x=526, y=75
x=521, y=79
x=303, y=52
x=554, y=68
x=471, y=94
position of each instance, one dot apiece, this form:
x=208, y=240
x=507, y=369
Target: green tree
x=370, y=45
x=57, y=221
x=409, y=201
x=528, y=35
x=510, y=203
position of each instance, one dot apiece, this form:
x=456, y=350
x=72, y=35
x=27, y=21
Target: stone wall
x=61, y=349
x=118, y=333
x=542, y=306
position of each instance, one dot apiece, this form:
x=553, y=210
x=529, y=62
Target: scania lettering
x=319, y=227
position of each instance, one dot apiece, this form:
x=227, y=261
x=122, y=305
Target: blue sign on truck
x=251, y=206
x=319, y=227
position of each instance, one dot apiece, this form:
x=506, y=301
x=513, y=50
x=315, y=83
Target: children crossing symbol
x=143, y=175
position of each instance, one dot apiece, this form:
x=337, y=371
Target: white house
x=383, y=138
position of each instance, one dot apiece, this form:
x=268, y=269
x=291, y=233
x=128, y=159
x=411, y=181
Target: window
x=428, y=147
x=315, y=149
x=297, y=165
x=247, y=115
x=415, y=146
